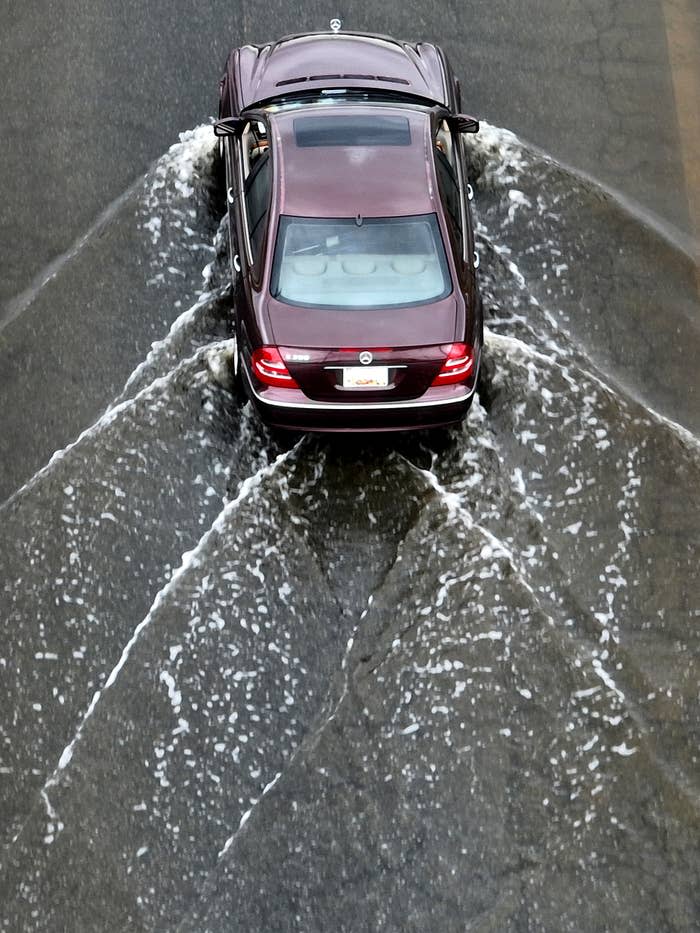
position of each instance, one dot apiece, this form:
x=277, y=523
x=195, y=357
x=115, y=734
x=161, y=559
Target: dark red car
x=357, y=306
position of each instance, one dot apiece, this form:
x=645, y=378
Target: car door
x=452, y=185
x=251, y=169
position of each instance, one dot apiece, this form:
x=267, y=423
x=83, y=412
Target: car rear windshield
x=377, y=262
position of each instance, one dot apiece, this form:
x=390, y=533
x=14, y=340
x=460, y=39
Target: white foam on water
x=497, y=548
x=514, y=347
x=181, y=322
x=177, y=171
x=246, y=816
x=190, y=559
x=505, y=143
x=502, y=156
x=112, y=414
x=517, y=199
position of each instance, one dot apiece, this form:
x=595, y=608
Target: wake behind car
x=356, y=304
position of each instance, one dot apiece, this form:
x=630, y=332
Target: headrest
x=408, y=265
x=359, y=265
x=309, y=265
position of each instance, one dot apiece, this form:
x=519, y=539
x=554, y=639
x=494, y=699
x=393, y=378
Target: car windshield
x=371, y=262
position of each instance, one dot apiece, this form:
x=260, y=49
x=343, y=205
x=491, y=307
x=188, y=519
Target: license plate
x=365, y=377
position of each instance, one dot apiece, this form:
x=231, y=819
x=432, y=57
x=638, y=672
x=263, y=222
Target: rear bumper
x=291, y=408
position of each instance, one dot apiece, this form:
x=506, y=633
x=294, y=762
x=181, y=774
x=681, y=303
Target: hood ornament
x=366, y=357
x=336, y=25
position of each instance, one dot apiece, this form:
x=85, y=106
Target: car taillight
x=270, y=368
x=458, y=364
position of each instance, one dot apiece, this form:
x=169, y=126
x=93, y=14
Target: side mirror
x=229, y=126
x=465, y=124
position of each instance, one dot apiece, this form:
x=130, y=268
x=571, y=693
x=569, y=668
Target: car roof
x=313, y=60
x=379, y=179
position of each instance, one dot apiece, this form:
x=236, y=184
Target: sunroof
x=369, y=130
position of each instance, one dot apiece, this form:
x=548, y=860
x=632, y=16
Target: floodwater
x=442, y=682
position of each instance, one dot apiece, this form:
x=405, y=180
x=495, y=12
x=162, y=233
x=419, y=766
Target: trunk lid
x=320, y=328
x=322, y=349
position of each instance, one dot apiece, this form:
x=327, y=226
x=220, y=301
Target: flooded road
x=438, y=682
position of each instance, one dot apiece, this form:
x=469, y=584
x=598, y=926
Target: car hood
x=424, y=325
x=355, y=60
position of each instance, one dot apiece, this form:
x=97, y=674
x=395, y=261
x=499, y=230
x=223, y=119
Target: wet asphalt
x=438, y=682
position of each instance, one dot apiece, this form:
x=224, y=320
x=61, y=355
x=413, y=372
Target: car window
x=449, y=192
x=257, y=199
x=378, y=262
